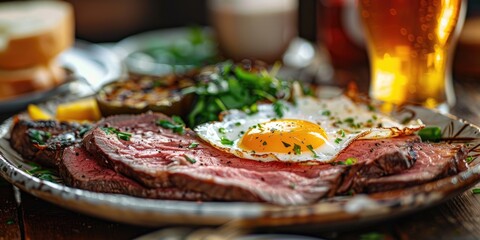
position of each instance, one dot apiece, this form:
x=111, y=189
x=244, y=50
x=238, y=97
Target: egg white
x=342, y=120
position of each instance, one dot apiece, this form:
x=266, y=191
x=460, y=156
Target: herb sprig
x=176, y=125
x=42, y=173
x=121, y=135
x=232, y=86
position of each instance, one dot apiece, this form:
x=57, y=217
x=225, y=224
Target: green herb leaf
x=278, y=107
x=177, y=126
x=226, y=141
x=297, y=149
x=430, y=134
x=41, y=172
x=326, y=113
x=191, y=160
x=178, y=120
x=222, y=130
x=341, y=132
x=350, y=161
x=232, y=86
x=476, y=190
x=469, y=159
x=338, y=140
x=310, y=147
x=121, y=135
x=193, y=145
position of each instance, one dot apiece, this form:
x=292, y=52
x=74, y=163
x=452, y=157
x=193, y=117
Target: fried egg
x=311, y=130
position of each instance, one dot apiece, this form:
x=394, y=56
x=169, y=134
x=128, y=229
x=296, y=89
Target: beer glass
x=410, y=45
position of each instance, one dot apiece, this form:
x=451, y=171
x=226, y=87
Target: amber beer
x=409, y=44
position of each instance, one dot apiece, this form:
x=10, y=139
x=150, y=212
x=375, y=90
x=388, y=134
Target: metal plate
x=331, y=213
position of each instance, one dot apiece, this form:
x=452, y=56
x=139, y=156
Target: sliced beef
x=78, y=169
x=43, y=141
x=157, y=157
x=434, y=161
x=376, y=158
x=157, y=163
x=380, y=157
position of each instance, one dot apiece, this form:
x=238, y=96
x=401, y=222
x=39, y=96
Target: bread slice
x=32, y=33
x=27, y=80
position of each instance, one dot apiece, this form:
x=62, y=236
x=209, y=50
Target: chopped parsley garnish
x=349, y=120
x=42, y=173
x=121, y=135
x=278, y=107
x=469, y=159
x=371, y=108
x=286, y=144
x=326, y=113
x=315, y=155
x=348, y=162
x=176, y=125
x=226, y=141
x=351, y=123
x=38, y=136
x=476, y=190
x=430, y=134
x=341, y=132
x=222, y=130
x=297, y=149
x=191, y=160
x=235, y=86
x=338, y=140
x=193, y=145
x=238, y=124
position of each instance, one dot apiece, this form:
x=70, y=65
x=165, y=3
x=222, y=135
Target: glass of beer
x=410, y=45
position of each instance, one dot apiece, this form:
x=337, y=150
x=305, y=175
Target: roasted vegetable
x=146, y=93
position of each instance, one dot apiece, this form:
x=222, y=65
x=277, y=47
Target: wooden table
x=23, y=216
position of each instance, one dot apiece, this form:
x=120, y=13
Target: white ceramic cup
x=254, y=29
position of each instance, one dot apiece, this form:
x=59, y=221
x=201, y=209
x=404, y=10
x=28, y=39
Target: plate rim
x=160, y=212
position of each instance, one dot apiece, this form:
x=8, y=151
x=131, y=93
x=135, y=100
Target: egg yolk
x=290, y=136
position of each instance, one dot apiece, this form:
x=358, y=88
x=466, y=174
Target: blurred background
x=321, y=22
x=113, y=20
